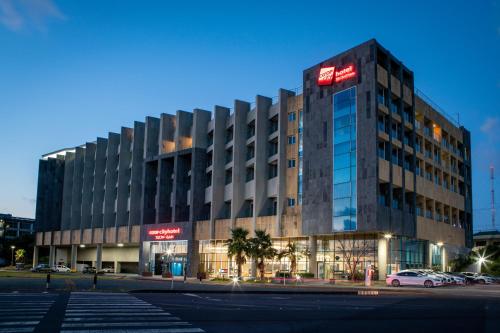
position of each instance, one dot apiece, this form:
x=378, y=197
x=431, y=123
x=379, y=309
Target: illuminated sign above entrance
x=328, y=75
x=164, y=233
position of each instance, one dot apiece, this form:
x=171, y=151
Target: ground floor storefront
x=171, y=251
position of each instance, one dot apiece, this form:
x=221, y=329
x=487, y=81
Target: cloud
x=491, y=128
x=18, y=15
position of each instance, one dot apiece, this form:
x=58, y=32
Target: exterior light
x=235, y=280
x=387, y=236
x=12, y=247
x=298, y=277
x=82, y=245
x=440, y=244
x=481, y=260
x=119, y=244
x=169, y=251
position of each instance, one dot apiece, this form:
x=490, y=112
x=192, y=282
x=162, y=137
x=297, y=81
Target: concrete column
x=444, y=259
x=35, y=255
x=136, y=174
x=74, y=250
x=429, y=255
x=52, y=255
x=312, y=258
x=193, y=258
x=88, y=184
x=117, y=267
x=98, y=254
x=383, y=254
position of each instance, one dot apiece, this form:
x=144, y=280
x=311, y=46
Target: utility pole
x=492, y=178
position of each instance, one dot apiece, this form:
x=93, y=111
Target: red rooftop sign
x=164, y=233
x=327, y=75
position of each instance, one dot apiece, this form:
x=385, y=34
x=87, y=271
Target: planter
x=147, y=274
x=167, y=275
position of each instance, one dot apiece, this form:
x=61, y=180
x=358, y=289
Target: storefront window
x=168, y=257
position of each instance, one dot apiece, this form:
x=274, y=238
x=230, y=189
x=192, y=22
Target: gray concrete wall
x=111, y=180
x=99, y=181
x=201, y=119
x=88, y=184
x=67, y=191
x=124, y=176
x=76, y=195
x=221, y=115
x=136, y=174
x=261, y=168
x=241, y=110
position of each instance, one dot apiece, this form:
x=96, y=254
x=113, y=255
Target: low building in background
x=13, y=227
x=486, y=238
x=357, y=163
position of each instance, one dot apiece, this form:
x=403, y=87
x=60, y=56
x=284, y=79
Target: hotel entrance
x=168, y=258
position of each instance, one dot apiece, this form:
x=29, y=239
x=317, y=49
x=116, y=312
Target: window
x=291, y=202
x=273, y=170
x=291, y=139
x=291, y=163
x=291, y=116
x=229, y=176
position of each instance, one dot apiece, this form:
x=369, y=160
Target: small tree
x=352, y=251
x=261, y=248
x=238, y=247
x=20, y=253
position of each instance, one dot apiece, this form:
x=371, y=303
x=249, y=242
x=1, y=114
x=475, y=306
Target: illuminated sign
x=345, y=73
x=327, y=75
x=164, y=233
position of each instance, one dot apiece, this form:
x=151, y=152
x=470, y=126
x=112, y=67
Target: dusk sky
x=74, y=70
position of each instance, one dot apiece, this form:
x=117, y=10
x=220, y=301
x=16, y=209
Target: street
x=151, y=307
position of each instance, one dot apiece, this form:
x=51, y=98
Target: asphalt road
x=209, y=308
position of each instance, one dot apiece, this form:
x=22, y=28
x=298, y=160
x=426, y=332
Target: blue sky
x=73, y=70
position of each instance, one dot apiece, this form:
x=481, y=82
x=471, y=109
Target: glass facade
x=168, y=257
x=406, y=253
x=344, y=160
x=301, y=153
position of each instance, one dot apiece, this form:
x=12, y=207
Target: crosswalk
x=92, y=312
x=22, y=312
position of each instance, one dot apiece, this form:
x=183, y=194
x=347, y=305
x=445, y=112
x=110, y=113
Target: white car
x=108, y=270
x=412, y=278
x=61, y=268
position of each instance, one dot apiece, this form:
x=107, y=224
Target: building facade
x=355, y=164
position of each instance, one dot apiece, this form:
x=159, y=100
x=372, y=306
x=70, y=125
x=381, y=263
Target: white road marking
x=22, y=312
x=118, y=313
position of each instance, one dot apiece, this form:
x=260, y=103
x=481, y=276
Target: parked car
x=484, y=279
x=412, y=278
x=42, y=268
x=61, y=268
x=108, y=270
x=460, y=279
x=91, y=270
x=431, y=273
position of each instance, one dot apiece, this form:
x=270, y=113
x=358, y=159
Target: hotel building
x=356, y=163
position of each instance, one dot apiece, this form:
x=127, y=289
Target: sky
x=74, y=70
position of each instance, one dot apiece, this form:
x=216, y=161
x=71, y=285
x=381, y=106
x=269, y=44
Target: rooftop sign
x=328, y=75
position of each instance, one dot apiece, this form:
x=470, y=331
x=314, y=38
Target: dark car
x=469, y=279
x=91, y=270
x=42, y=268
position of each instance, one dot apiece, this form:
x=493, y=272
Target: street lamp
x=387, y=236
x=12, y=247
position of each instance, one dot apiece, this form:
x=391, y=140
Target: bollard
x=48, y=281
x=95, y=280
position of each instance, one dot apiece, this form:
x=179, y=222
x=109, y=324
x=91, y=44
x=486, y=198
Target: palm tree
x=238, y=246
x=291, y=252
x=20, y=253
x=261, y=248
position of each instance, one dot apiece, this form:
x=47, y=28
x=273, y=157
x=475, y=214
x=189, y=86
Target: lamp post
x=12, y=247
